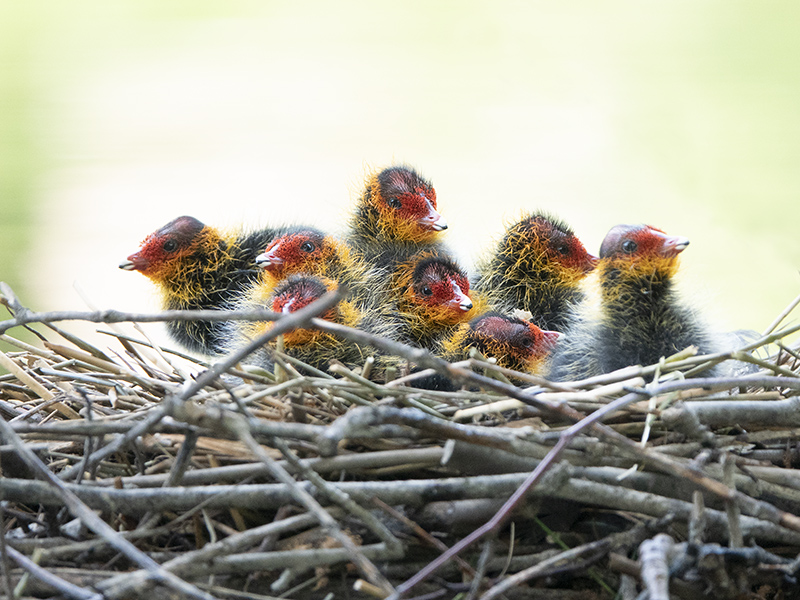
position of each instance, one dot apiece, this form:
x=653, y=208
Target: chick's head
x=405, y=204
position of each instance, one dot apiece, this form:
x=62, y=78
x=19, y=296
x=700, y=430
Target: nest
x=135, y=470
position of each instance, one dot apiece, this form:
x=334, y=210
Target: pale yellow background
x=684, y=115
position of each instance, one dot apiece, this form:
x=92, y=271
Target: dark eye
x=629, y=246
x=563, y=249
x=426, y=291
x=394, y=202
x=527, y=342
x=170, y=246
x=308, y=247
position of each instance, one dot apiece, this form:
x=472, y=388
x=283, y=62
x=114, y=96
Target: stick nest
x=135, y=470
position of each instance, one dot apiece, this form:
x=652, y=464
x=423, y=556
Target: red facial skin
x=570, y=253
x=295, y=252
x=635, y=242
x=411, y=199
x=555, y=241
x=299, y=294
x=640, y=255
x=402, y=207
x=439, y=286
x=162, y=250
x=519, y=337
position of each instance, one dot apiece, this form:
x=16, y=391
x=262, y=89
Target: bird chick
x=428, y=297
x=395, y=217
x=196, y=266
x=312, y=252
x=312, y=346
x=538, y=267
x=641, y=318
x=514, y=343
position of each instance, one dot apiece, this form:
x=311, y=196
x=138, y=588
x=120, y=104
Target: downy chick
x=312, y=346
x=395, y=217
x=538, y=267
x=641, y=317
x=428, y=297
x=196, y=266
x=312, y=252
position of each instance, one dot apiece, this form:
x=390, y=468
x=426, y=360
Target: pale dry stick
x=470, y=459
x=236, y=541
x=347, y=462
x=80, y=428
x=736, y=539
x=249, y=562
x=93, y=521
x=258, y=496
x=140, y=428
x=358, y=422
x=41, y=352
x=653, y=555
x=401, y=381
x=561, y=482
x=784, y=518
x=182, y=373
x=35, y=386
x=702, y=363
x=779, y=319
x=746, y=414
x=4, y=552
x=765, y=365
x=699, y=519
x=178, y=468
x=378, y=389
x=480, y=567
x=593, y=395
x=355, y=422
x=122, y=338
x=296, y=320
x=23, y=316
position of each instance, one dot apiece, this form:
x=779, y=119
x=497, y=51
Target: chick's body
x=538, y=267
x=196, y=266
x=640, y=316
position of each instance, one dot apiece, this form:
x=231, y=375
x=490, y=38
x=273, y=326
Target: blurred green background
x=117, y=117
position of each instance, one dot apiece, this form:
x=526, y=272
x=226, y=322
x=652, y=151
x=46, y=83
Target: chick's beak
x=268, y=259
x=432, y=220
x=135, y=262
x=287, y=308
x=550, y=338
x=674, y=245
x=460, y=299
